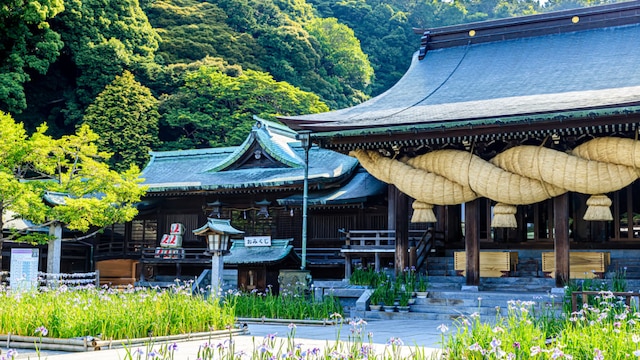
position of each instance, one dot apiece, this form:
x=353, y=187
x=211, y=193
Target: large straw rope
x=520, y=175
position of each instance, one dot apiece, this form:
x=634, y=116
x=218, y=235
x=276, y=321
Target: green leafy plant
x=130, y=313
x=530, y=331
x=403, y=298
x=283, y=306
x=366, y=277
x=423, y=282
x=377, y=296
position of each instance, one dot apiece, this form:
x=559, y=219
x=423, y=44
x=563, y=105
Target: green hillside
x=175, y=74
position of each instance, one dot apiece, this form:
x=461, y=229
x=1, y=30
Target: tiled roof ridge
x=269, y=136
x=570, y=20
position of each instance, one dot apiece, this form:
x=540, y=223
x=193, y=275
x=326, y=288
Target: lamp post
x=217, y=232
x=217, y=245
x=305, y=141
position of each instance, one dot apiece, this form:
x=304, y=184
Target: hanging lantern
x=264, y=208
x=216, y=209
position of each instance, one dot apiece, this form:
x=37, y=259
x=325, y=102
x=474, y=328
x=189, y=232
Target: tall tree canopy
x=216, y=109
x=55, y=60
x=125, y=116
x=27, y=44
x=95, y=196
x=102, y=39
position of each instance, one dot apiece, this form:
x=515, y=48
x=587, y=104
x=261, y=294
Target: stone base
x=470, y=288
x=557, y=291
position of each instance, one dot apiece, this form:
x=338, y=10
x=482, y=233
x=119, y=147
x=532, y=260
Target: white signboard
x=257, y=241
x=23, y=271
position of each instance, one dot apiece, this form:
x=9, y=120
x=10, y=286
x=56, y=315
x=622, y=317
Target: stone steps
x=449, y=305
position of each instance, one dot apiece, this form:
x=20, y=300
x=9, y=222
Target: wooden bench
x=117, y=271
x=492, y=263
x=582, y=264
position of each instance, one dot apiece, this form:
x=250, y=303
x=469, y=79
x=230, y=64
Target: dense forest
x=180, y=74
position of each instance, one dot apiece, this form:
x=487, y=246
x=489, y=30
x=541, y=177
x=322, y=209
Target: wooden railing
x=167, y=255
x=379, y=244
x=584, y=295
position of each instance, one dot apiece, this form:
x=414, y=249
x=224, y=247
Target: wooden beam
x=472, y=241
x=402, y=232
x=561, y=238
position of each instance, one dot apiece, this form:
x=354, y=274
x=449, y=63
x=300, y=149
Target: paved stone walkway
x=424, y=334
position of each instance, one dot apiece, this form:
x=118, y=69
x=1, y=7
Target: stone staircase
x=451, y=305
x=449, y=298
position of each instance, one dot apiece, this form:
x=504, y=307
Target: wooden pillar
x=472, y=241
x=347, y=265
x=402, y=232
x=391, y=207
x=561, y=238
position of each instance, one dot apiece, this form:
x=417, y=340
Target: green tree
x=27, y=44
x=342, y=55
x=192, y=30
x=102, y=39
x=95, y=196
x=125, y=116
x=216, y=109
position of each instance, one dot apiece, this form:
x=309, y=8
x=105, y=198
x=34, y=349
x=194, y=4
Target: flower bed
x=609, y=329
x=111, y=314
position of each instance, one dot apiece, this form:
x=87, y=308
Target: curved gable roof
x=215, y=170
x=569, y=71
x=272, y=138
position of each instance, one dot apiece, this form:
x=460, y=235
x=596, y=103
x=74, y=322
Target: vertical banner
x=23, y=271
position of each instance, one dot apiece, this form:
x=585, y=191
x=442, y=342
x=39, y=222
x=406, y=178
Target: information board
x=23, y=271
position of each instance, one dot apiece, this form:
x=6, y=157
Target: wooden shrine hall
x=257, y=185
x=508, y=133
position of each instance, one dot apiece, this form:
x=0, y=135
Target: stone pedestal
x=294, y=281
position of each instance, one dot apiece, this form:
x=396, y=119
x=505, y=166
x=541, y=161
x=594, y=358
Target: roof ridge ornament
x=424, y=42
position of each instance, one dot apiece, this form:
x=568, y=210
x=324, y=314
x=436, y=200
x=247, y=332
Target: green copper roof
x=357, y=190
x=568, y=76
x=222, y=169
x=274, y=141
x=278, y=251
x=217, y=226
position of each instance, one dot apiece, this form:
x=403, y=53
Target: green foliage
x=133, y=313
x=216, y=109
x=342, y=56
x=192, y=30
x=72, y=165
x=367, y=277
x=28, y=45
x=125, y=116
x=283, y=306
x=103, y=39
x=377, y=296
x=603, y=330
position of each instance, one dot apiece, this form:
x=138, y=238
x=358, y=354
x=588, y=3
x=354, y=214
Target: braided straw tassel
x=422, y=212
x=598, y=208
x=504, y=216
